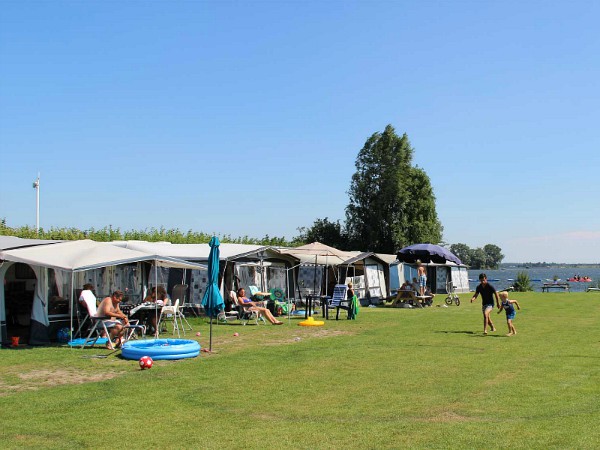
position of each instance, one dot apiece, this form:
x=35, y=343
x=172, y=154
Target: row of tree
x=488, y=257
x=109, y=233
x=391, y=205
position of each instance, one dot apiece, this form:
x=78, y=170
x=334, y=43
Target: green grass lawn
x=394, y=378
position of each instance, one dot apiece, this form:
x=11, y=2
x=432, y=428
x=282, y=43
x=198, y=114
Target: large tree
x=391, y=202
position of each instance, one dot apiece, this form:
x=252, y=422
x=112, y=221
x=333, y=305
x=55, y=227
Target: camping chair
x=245, y=314
x=257, y=296
x=171, y=313
x=100, y=330
x=338, y=301
x=227, y=316
x=282, y=305
x=98, y=326
x=83, y=319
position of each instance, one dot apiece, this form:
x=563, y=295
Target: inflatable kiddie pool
x=311, y=322
x=161, y=349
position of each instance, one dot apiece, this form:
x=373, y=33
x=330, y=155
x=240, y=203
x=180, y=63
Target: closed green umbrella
x=213, y=300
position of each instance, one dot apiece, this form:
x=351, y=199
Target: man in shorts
x=487, y=292
x=422, y=274
x=109, y=307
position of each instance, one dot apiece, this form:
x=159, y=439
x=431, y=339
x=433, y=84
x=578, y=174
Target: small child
x=507, y=305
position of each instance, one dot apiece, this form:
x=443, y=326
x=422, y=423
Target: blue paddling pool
x=161, y=349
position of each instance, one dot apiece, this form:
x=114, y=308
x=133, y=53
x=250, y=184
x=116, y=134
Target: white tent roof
x=10, y=242
x=86, y=255
x=316, y=252
x=198, y=252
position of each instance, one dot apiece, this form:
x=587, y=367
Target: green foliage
x=493, y=256
x=391, y=202
x=488, y=257
x=463, y=252
x=433, y=383
x=108, y=234
x=523, y=283
x=326, y=232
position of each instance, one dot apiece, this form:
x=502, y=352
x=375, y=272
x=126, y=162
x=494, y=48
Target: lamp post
x=36, y=186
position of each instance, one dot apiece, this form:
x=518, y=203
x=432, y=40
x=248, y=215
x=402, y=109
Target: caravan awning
x=78, y=256
x=200, y=252
x=12, y=242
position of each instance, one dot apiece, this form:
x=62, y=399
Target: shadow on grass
x=470, y=333
x=455, y=332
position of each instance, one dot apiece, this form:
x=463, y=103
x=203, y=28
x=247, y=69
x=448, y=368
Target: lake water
x=538, y=276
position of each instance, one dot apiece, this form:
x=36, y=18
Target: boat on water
x=580, y=280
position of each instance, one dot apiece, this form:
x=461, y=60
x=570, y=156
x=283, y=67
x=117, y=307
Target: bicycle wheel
x=448, y=300
x=457, y=300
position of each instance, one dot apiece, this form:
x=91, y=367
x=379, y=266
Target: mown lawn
x=395, y=378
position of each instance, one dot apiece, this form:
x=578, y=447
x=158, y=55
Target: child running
x=507, y=305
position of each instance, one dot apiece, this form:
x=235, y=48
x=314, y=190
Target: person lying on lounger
x=254, y=306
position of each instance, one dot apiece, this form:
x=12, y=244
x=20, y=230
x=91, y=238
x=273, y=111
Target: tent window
x=57, y=304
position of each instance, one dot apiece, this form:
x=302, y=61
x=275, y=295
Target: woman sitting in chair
x=161, y=298
x=254, y=306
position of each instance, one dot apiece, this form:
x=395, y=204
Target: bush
x=523, y=283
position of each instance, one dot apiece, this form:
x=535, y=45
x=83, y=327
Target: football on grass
x=145, y=362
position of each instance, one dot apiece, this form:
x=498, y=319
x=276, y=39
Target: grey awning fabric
x=12, y=242
x=83, y=255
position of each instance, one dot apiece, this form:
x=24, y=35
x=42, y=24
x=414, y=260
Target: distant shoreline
x=545, y=265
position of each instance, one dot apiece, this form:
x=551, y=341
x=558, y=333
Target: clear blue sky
x=245, y=118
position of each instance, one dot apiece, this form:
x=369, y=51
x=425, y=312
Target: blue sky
x=245, y=118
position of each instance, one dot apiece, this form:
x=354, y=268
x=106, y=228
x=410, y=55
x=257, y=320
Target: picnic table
x=564, y=286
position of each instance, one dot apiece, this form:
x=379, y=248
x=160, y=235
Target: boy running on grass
x=507, y=305
x=487, y=292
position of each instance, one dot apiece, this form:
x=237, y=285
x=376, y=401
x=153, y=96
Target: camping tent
x=64, y=259
x=258, y=265
x=367, y=270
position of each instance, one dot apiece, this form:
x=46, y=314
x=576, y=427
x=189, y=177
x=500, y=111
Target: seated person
x=160, y=297
x=429, y=295
x=87, y=299
x=415, y=286
x=109, y=307
x=254, y=306
x=405, y=290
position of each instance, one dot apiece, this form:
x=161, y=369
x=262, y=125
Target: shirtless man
x=109, y=307
x=422, y=277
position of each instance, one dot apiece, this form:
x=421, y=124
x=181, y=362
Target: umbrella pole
x=210, y=336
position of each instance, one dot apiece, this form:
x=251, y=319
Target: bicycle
x=452, y=296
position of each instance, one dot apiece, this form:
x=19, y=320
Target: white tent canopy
x=191, y=252
x=12, y=242
x=317, y=253
x=83, y=255
x=73, y=257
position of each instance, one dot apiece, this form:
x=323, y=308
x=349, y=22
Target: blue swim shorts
x=511, y=316
x=422, y=281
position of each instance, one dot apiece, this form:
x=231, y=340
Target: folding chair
x=131, y=330
x=338, y=301
x=99, y=329
x=245, y=314
x=280, y=302
x=233, y=314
